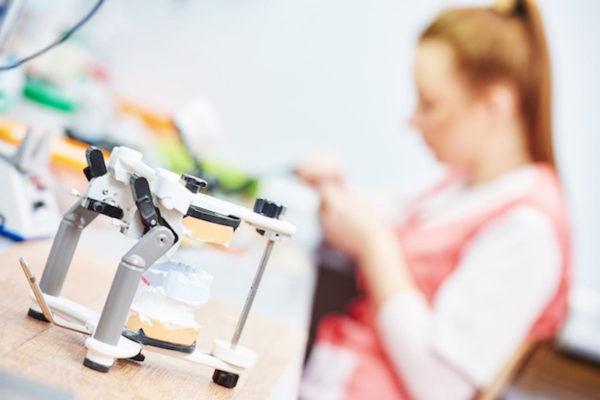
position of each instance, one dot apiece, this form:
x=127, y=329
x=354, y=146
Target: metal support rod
x=63, y=248
x=139, y=258
x=253, y=289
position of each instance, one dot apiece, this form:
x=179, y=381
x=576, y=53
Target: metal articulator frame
x=107, y=335
x=61, y=253
x=67, y=237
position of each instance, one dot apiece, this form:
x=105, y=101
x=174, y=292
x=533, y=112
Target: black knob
x=268, y=208
x=225, y=379
x=193, y=183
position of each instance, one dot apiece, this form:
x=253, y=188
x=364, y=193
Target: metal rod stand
x=250, y=298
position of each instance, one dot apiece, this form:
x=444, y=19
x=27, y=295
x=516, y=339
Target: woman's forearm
x=404, y=323
x=383, y=267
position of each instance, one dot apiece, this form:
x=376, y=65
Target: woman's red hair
x=505, y=43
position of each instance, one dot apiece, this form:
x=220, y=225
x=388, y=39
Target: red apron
x=432, y=254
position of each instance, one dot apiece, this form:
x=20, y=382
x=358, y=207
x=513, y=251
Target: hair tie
x=510, y=7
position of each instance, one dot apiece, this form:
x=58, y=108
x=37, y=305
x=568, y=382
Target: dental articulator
x=149, y=205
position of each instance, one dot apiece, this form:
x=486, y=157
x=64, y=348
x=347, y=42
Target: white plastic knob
x=239, y=356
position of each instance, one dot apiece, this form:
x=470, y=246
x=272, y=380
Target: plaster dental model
x=164, y=309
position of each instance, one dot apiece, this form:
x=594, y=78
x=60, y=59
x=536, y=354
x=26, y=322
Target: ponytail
x=537, y=99
x=506, y=41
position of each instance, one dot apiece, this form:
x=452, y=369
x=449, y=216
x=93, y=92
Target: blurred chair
x=550, y=373
x=507, y=374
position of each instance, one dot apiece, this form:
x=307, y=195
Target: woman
x=480, y=264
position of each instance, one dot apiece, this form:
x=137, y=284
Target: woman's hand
x=349, y=223
x=353, y=226
x=320, y=169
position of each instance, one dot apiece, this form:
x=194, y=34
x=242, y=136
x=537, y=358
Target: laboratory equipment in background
x=581, y=333
x=11, y=86
x=188, y=139
x=150, y=205
x=70, y=88
x=11, y=82
x=198, y=131
x=28, y=207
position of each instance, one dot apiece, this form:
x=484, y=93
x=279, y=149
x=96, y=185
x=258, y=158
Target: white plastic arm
x=250, y=217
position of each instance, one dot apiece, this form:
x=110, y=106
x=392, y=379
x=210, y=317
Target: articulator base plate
x=140, y=337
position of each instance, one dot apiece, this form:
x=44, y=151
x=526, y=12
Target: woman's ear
x=500, y=100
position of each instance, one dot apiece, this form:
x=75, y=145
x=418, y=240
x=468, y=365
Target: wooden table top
x=53, y=355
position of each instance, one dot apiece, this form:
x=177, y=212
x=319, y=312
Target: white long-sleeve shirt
x=482, y=311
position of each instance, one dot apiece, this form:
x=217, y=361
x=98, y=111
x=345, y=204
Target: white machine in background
x=148, y=204
x=28, y=207
x=581, y=333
